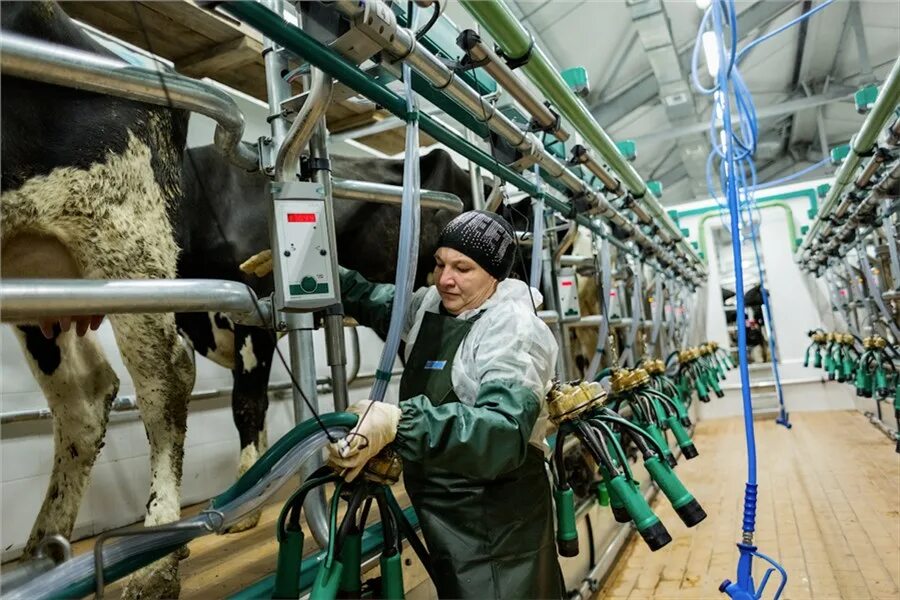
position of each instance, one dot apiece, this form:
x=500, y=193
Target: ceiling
x=637, y=54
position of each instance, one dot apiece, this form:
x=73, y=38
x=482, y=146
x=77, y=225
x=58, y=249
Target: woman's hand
x=376, y=428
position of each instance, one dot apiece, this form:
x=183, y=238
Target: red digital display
x=301, y=217
x=565, y=283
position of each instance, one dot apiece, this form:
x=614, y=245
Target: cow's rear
x=88, y=183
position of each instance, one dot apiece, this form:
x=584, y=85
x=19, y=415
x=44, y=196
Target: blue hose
x=731, y=159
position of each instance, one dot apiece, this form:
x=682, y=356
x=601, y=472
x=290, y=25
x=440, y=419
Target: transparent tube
x=409, y=243
x=75, y=573
x=603, y=330
x=537, y=246
x=637, y=317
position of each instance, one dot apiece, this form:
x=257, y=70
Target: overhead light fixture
x=711, y=52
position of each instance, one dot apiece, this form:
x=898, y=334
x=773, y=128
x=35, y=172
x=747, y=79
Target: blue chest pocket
x=435, y=365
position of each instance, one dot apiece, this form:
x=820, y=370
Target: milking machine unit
x=869, y=364
x=852, y=245
x=584, y=410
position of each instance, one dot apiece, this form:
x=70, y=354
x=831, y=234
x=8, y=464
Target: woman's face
x=461, y=282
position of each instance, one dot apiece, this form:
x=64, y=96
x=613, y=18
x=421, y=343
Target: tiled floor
x=829, y=511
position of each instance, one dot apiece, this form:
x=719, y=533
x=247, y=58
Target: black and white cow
x=89, y=183
x=223, y=222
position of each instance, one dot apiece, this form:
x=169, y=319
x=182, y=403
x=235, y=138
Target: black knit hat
x=485, y=237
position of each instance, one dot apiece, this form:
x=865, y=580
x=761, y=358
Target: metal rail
x=30, y=299
x=37, y=60
x=365, y=191
x=862, y=145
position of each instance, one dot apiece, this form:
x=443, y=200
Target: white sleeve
x=517, y=347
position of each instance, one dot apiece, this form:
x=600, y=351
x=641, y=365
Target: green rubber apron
x=488, y=538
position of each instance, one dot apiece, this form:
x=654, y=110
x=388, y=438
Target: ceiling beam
x=768, y=112
x=646, y=88
x=623, y=51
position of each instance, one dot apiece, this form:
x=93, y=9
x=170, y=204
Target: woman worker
x=471, y=421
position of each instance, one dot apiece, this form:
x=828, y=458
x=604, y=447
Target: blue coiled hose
x=732, y=159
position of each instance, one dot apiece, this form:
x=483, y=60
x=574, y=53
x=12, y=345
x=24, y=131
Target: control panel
x=569, y=310
x=305, y=266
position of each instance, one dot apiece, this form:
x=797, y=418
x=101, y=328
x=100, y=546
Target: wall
x=119, y=484
x=794, y=310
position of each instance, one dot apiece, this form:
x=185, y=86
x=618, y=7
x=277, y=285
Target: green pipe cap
x=577, y=80
x=839, y=154
x=628, y=149
x=865, y=98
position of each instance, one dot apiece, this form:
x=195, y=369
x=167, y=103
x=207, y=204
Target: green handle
x=657, y=435
x=634, y=503
x=817, y=360
x=602, y=492
x=702, y=391
x=392, y=577
x=860, y=379
x=668, y=482
x=646, y=522
x=325, y=587
x=287, y=571
x=848, y=366
x=714, y=383
x=351, y=557
x=680, y=433
x=566, y=533
x=881, y=381
x=682, y=501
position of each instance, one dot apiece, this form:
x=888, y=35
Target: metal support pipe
x=365, y=191
x=861, y=145
x=582, y=156
x=37, y=60
x=480, y=54
x=572, y=260
x=25, y=300
x=305, y=123
x=299, y=326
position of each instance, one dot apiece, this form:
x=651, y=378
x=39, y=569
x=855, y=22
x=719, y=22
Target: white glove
x=376, y=428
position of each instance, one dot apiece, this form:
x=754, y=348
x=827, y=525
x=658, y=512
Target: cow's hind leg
x=253, y=349
x=79, y=385
x=163, y=375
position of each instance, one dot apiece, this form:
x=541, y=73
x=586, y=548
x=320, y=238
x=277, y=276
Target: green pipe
x=515, y=41
x=788, y=215
x=860, y=146
x=602, y=493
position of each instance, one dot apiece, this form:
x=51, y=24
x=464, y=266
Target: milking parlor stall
x=242, y=358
